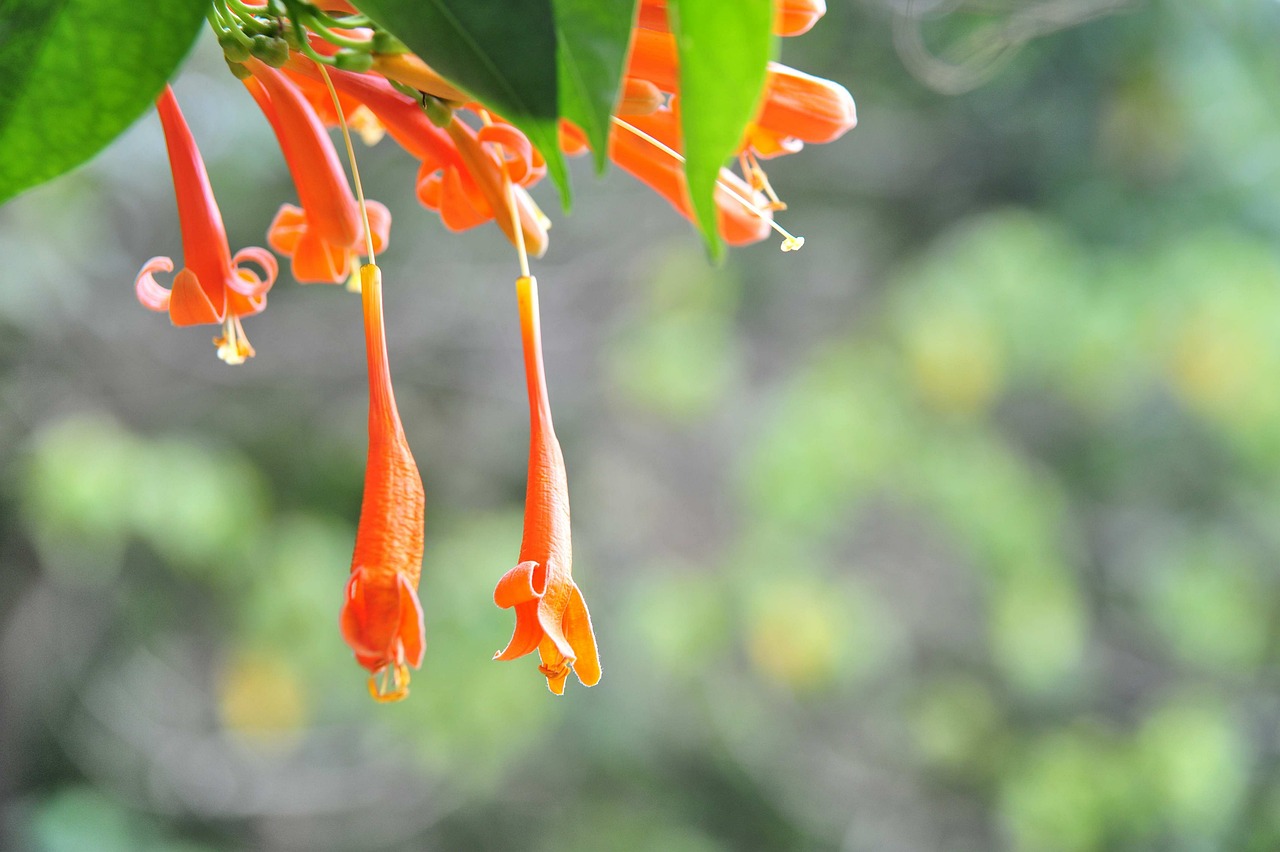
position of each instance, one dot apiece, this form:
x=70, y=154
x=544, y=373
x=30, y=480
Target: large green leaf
x=501, y=52
x=593, y=37
x=724, y=50
x=75, y=73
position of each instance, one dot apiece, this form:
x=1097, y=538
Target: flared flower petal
x=186, y=303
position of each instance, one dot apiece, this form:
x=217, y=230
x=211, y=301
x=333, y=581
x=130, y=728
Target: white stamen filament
x=790, y=241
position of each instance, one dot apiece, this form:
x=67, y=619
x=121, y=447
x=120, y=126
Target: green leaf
x=593, y=37
x=724, y=50
x=75, y=73
x=501, y=52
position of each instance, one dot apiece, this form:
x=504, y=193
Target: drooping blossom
x=213, y=286
x=457, y=177
x=551, y=614
x=324, y=236
x=381, y=616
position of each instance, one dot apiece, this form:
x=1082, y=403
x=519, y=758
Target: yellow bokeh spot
x=259, y=697
x=797, y=638
x=955, y=363
x=1214, y=364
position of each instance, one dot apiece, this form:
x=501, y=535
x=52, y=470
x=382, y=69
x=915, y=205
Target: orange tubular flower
x=795, y=108
x=551, y=614
x=324, y=236
x=381, y=617
x=457, y=177
x=214, y=286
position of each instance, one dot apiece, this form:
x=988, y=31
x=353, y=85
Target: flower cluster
x=322, y=66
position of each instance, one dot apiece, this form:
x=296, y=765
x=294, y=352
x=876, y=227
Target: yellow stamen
x=790, y=241
x=389, y=683
x=233, y=346
x=754, y=174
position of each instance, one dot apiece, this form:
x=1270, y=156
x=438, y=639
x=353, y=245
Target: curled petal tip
x=247, y=282
x=520, y=585
x=150, y=293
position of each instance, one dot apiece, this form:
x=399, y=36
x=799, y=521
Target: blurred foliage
x=956, y=530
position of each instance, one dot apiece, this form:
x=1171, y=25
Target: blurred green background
x=957, y=530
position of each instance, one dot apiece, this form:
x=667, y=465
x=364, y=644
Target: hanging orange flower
x=381, y=617
x=325, y=236
x=645, y=139
x=551, y=614
x=456, y=178
x=213, y=286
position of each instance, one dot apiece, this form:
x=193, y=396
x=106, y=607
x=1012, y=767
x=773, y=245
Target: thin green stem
x=305, y=48
x=244, y=10
x=348, y=23
x=223, y=26
x=250, y=18
x=313, y=23
x=215, y=20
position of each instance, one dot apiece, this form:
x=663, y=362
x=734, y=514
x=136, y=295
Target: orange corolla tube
x=409, y=69
x=325, y=235
x=653, y=57
x=213, y=286
x=359, y=117
x=791, y=17
x=381, y=617
x=808, y=108
x=551, y=614
x=742, y=213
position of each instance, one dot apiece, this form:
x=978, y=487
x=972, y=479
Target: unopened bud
x=352, y=60
x=272, y=51
x=232, y=48
x=440, y=113
x=238, y=71
x=385, y=42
